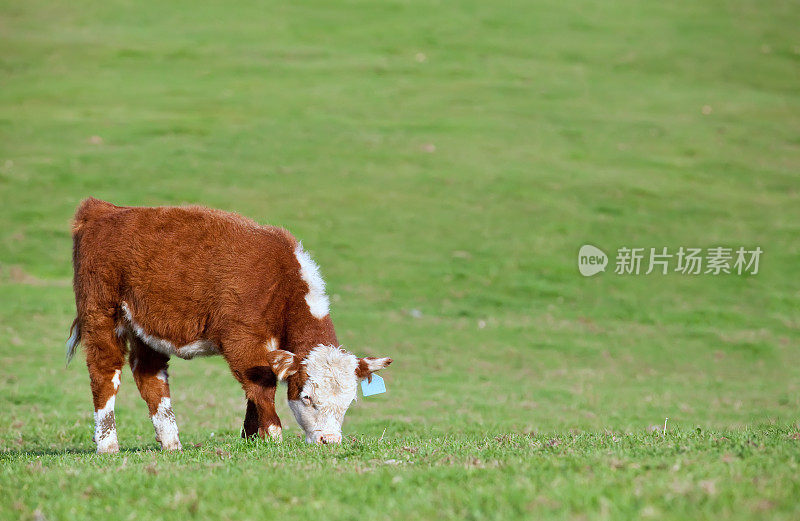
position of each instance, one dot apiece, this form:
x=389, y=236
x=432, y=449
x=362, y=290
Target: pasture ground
x=443, y=161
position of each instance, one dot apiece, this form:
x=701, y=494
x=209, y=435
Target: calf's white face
x=329, y=390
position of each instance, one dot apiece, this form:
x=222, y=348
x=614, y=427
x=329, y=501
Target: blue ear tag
x=375, y=387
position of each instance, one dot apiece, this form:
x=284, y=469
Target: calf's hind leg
x=105, y=354
x=149, y=369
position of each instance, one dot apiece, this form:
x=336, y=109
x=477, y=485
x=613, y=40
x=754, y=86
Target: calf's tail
x=74, y=339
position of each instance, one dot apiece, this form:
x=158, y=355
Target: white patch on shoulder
x=316, y=298
x=115, y=379
x=105, y=428
x=165, y=425
x=272, y=344
x=200, y=347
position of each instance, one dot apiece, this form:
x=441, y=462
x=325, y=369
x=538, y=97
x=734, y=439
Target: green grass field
x=443, y=161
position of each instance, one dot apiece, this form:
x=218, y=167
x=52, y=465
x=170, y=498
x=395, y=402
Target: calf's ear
x=284, y=364
x=368, y=365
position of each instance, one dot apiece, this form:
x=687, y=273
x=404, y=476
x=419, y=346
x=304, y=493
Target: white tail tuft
x=73, y=341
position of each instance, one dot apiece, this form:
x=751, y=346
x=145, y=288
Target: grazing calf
x=191, y=281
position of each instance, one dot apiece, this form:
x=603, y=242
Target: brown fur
x=189, y=274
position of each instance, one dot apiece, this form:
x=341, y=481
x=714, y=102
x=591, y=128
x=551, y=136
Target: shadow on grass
x=19, y=454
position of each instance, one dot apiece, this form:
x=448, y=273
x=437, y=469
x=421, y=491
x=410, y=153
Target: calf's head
x=322, y=386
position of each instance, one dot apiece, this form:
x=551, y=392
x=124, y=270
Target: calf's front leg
x=250, y=427
x=259, y=384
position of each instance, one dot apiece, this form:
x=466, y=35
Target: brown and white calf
x=191, y=281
